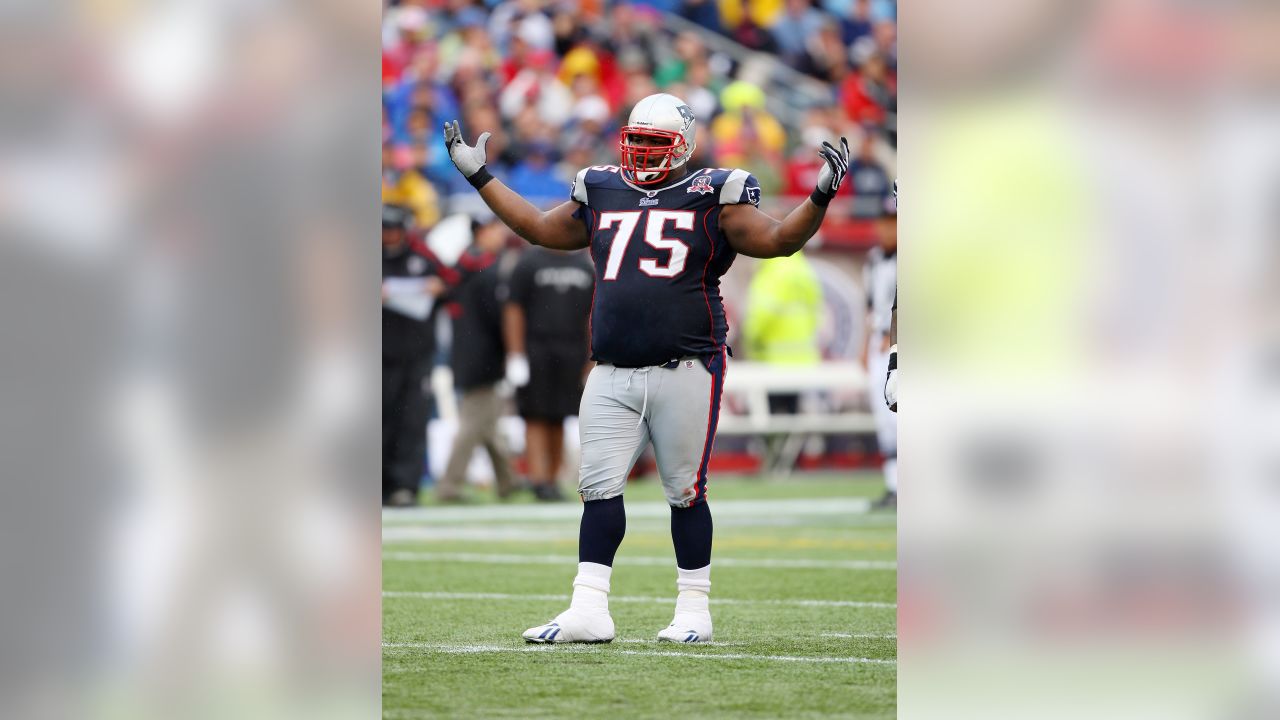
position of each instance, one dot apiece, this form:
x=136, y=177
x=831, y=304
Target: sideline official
x=412, y=280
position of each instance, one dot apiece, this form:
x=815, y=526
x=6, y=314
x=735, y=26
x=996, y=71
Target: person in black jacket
x=545, y=325
x=478, y=363
x=412, y=279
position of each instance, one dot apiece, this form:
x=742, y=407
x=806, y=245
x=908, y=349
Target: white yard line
x=863, y=636
x=512, y=559
x=468, y=649
x=477, y=533
x=635, y=510
x=485, y=530
x=633, y=599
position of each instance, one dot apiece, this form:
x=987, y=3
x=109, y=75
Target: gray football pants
x=674, y=408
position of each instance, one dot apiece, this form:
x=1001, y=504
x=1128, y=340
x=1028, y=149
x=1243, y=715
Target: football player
x=880, y=280
x=660, y=238
x=891, y=380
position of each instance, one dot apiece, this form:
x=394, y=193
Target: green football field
x=803, y=599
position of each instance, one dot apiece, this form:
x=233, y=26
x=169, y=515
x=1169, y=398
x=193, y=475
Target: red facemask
x=653, y=160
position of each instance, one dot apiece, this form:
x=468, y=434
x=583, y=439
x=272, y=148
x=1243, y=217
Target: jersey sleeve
x=741, y=187
x=578, y=190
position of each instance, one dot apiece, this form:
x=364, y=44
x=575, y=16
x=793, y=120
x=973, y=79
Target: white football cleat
x=688, y=628
x=573, y=626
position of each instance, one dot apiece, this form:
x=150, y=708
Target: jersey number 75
x=655, y=225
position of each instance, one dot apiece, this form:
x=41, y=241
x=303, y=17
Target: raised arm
x=556, y=228
x=753, y=233
x=756, y=234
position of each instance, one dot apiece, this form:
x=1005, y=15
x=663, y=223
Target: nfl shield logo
x=688, y=363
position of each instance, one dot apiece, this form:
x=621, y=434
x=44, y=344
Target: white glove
x=466, y=158
x=517, y=370
x=836, y=167
x=891, y=383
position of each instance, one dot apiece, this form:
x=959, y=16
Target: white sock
x=891, y=474
x=591, y=587
x=694, y=587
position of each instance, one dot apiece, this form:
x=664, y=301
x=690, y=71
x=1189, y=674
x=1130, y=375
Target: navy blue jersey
x=659, y=255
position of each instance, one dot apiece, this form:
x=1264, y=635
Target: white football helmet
x=658, y=138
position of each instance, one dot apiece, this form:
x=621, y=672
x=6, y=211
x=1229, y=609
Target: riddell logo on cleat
x=701, y=185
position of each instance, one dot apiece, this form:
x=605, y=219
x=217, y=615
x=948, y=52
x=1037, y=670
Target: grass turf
x=791, y=642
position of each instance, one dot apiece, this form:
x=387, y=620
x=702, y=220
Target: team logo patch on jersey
x=700, y=185
x=753, y=195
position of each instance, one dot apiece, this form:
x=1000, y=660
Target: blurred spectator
x=545, y=327
x=689, y=50
x=405, y=29
x=537, y=86
x=855, y=19
x=468, y=46
x=405, y=186
x=784, y=305
x=521, y=23
x=800, y=22
x=631, y=36
x=701, y=90
x=568, y=29
x=880, y=281
x=411, y=282
x=580, y=63
x=703, y=12
x=754, y=14
x=747, y=136
x=870, y=92
x=412, y=191
x=869, y=181
x=753, y=36
x=828, y=58
x=477, y=361
x=805, y=163
x=537, y=178
x=588, y=139
x=885, y=35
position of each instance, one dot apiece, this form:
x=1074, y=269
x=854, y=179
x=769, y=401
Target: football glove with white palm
x=891, y=382
x=832, y=173
x=468, y=159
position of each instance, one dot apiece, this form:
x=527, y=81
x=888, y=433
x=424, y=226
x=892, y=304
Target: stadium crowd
x=554, y=80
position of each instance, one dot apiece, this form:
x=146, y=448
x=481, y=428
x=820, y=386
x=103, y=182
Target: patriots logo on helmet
x=687, y=113
x=700, y=185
